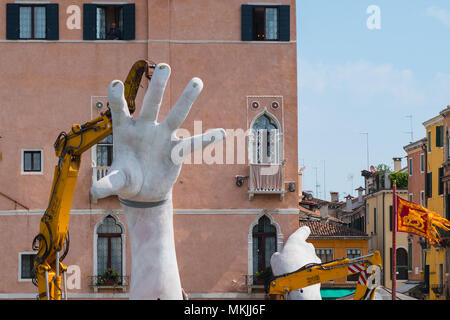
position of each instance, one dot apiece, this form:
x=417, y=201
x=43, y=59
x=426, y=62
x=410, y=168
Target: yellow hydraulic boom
x=69, y=147
x=369, y=267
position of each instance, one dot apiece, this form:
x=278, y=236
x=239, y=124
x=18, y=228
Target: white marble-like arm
x=142, y=174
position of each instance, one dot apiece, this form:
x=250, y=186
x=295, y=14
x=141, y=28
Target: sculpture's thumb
x=109, y=185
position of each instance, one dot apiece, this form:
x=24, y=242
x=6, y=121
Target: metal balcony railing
x=266, y=179
x=101, y=281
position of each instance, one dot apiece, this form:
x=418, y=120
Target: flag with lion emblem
x=415, y=219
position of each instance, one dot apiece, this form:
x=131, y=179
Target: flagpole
x=394, y=244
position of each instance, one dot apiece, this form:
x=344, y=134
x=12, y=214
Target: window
x=26, y=262
x=374, y=220
x=447, y=206
x=439, y=136
x=109, y=22
x=105, y=152
x=422, y=162
x=325, y=255
x=402, y=264
x=32, y=21
x=266, y=141
x=353, y=253
x=429, y=141
x=265, y=20
x=410, y=166
x=422, y=198
x=265, y=23
x=109, y=246
x=428, y=184
x=440, y=182
x=410, y=197
x=448, y=146
x=31, y=161
x=264, y=245
x=390, y=218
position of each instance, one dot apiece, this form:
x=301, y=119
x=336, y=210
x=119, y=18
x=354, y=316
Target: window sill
x=32, y=173
x=114, y=287
x=253, y=192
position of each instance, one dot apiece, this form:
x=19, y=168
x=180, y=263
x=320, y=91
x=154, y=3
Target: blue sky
x=352, y=79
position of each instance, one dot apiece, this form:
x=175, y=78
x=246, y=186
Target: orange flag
x=413, y=218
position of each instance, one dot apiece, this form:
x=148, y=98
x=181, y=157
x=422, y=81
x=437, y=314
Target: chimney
x=324, y=211
x=334, y=196
x=348, y=204
x=397, y=164
x=360, y=194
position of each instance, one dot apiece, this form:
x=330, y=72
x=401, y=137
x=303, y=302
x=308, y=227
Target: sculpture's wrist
x=142, y=204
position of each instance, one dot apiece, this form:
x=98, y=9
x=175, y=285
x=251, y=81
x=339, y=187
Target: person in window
x=114, y=33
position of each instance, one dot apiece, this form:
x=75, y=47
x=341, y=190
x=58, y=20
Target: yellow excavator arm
x=48, y=270
x=369, y=267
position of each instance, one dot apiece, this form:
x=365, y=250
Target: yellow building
x=334, y=241
x=379, y=228
x=434, y=191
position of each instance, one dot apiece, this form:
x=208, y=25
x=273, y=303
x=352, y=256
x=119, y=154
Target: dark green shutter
x=390, y=218
x=410, y=254
x=129, y=22
x=428, y=185
x=284, y=24
x=374, y=220
x=440, y=183
x=52, y=16
x=439, y=139
x=426, y=278
x=246, y=22
x=12, y=21
x=89, y=21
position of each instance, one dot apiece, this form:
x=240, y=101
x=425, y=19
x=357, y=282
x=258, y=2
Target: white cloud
x=439, y=14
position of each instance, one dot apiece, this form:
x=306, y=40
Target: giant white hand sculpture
x=146, y=165
x=295, y=254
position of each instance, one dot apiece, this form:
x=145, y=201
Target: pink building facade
x=416, y=165
x=57, y=59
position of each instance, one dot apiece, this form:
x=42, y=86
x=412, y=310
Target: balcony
x=266, y=179
x=100, y=282
x=97, y=174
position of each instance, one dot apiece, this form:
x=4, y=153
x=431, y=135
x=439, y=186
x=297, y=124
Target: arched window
x=265, y=143
x=264, y=244
x=402, y=264
x=109, y=246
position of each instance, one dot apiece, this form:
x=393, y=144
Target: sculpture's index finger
x=182, y=107
x=117, y=102
x=155, y=92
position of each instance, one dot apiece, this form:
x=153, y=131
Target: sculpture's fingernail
x=195, y=85
x=162, y=67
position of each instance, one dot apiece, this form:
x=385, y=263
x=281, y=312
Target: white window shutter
x=262, y=146
x=253, y=146
x=279, y=148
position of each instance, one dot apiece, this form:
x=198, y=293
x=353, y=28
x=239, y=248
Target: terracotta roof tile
x=324, y=229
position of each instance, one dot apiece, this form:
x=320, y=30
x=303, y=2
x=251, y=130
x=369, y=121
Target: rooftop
x=331, y=230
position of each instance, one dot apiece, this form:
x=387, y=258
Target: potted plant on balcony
x=263, y=277
x=109, y=277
